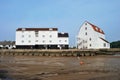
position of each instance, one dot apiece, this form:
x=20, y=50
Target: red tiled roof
x=97, y=29
x=104, y=40
x=37, y=29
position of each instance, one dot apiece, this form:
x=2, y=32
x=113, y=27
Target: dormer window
x=43, y=41
x=50, y=29
x=96, y=28
x=101, y=31
x=23, y=29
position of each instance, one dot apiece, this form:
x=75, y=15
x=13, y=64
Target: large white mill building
x=41, y=38
x=91, y=37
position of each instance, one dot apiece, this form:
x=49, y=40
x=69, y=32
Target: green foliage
x=115, y=44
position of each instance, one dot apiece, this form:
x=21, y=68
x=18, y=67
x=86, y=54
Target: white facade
x=91, y=37
x=41, y=37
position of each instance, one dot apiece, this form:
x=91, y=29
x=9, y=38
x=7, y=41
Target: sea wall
x=66, y=52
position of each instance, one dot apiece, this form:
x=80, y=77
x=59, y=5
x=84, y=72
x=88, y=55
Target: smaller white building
x=41, y=38
x=7, y=44
x=91, y=37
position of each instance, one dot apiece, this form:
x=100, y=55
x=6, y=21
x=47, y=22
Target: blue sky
x=66, y=15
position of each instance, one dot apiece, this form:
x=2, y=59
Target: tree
x=115, y=44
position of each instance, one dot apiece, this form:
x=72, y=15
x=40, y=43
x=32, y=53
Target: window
x=29, y=36
x=22, y=41
x=43, y=35
x=43, y=41
x=59, y=40
x=22, y=36
x=104, y=45
x=90, y=45
x=85, y=23
x=36, y=41
x=36, y=33
x=50, y=41
x=85, y=28
x=90, y=39
x=50, y=36
x=65, y=40
x=86, y=33
x=29, y=41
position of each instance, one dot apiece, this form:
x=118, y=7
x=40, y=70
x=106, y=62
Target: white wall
x=47, y=37
x=44, y=38
x=95, y=41
x=63, y=40
x=25, y=38
x=90, y=34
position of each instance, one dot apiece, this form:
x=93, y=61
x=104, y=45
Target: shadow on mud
x=4, y=75
x=5, y=67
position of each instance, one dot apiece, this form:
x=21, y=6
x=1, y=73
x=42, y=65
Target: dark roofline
x=37, y=29
x=104, y=40
x=63, y=35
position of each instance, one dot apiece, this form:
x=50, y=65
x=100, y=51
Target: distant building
x=91, y=37
x=7, y=44
x=41, y=38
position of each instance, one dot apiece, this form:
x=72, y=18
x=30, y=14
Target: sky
x=66, y=15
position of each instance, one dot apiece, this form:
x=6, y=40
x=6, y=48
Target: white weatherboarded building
x=91, y=37
x=41, y=38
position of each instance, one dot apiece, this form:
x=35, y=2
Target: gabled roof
x=37, y=29
x=104, y=40
x=97, y=29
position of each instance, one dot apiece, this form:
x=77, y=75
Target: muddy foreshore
x=100, y=67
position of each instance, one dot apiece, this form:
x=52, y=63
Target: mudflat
x=61, y=68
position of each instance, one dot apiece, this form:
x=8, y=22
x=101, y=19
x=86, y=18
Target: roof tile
x=97, y=29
